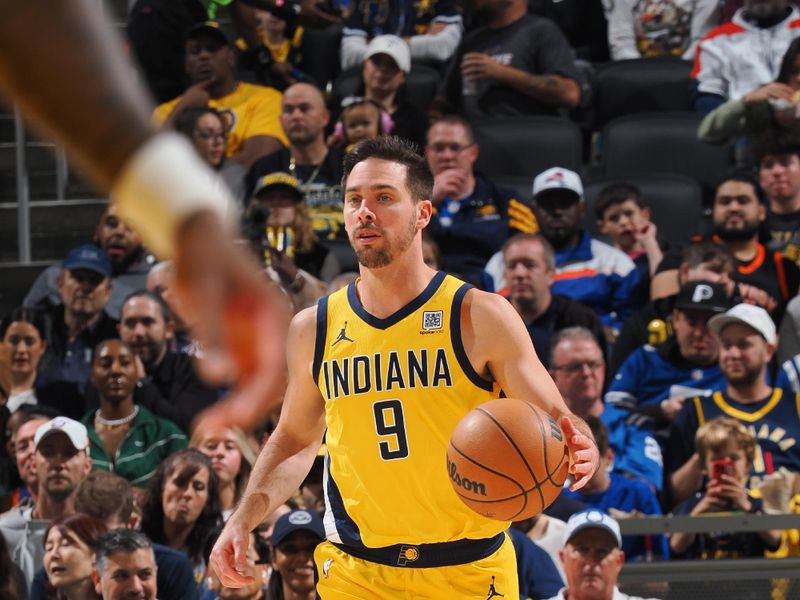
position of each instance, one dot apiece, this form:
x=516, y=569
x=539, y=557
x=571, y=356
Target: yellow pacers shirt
x=249, y=110
x=394, y=391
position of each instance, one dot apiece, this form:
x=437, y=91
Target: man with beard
x=62, y=462
x=130, y=263
x=654, y=382
x=166, y=381
x=384, y=369
x=744, y=54
x=125, y=566
x=747, y=341
x=304, y=118
x=766, y=277
x=74, y=328
x=119, y=430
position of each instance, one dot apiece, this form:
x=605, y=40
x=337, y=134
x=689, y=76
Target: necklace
x=109, y=424
x=307, y=183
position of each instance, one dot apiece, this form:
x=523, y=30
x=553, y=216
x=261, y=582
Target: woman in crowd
x=69, y=551
x=207, y=129
x=181, y=507
x=23, y=338
x=232, y=457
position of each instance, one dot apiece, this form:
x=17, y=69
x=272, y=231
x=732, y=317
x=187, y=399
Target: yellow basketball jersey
x=394, y=391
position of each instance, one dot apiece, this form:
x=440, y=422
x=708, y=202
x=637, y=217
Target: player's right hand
x=229, y=556
x=241, y=322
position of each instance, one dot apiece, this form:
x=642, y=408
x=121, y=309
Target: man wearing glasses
x=473, y=217
x=578, y=370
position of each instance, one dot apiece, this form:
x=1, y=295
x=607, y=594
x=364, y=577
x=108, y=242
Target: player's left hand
x=583, y=455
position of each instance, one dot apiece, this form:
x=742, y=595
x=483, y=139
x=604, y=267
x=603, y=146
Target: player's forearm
x=65, y=45
x=548, y=89
x=277, y=474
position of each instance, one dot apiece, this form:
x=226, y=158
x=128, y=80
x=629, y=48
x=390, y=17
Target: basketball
x=507, y=459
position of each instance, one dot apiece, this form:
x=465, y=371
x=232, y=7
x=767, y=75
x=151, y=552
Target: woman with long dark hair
x=22, y=334
x=181, y=508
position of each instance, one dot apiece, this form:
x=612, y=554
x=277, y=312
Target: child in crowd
x=621, y=496
x=361, y=119
x=726, y=450
x=623, y=216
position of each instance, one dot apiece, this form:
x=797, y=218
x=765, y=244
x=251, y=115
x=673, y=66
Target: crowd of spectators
x=682, y=354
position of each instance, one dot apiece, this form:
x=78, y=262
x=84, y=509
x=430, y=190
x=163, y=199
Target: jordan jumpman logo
x=342, y=336
x=493, y=591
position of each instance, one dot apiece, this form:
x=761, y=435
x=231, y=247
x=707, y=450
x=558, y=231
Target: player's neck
x=386, y=290
x=749, y=393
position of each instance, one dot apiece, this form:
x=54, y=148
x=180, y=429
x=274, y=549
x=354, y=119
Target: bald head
x=303, y=114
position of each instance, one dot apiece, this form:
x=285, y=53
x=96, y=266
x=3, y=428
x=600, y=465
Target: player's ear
x=424, y=213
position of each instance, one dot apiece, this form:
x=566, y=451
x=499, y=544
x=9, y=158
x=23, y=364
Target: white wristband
x=164, y=183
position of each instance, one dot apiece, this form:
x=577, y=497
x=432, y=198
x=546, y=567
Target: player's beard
x=374, y=258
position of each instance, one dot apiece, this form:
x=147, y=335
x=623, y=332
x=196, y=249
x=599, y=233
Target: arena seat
x=421, y=85
x=675, y=204
x=650, y=143
x=526, y=146
x=627, y=87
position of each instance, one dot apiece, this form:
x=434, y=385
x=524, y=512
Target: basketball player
x=59, y=62
x=389, y=365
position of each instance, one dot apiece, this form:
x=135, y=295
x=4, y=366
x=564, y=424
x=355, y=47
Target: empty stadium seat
x=320, y=50
x=652, y=143
x=641, y=85
x=526, y=146
x=521, y=184
x=421, y=85
x=675, y=204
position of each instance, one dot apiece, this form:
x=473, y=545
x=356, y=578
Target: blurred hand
x=196, y=95
x=477, y=65
x=435, y=28
x=671, y=407
x=448, y=184
x=770, y=91
x=647, y=234
x=734, y=491
x=241, y=322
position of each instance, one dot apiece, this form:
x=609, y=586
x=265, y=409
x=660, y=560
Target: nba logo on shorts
x=432, y=320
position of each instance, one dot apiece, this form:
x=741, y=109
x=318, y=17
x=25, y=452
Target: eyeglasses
x=294, y=548
x=577, y=367
x=210, y=135
x=594, y=554
x=441, y=147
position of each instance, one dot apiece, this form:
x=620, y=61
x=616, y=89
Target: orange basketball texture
x=507, y=459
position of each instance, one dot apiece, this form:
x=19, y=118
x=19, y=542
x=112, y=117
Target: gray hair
x=571, y=333
x=547, y=247
x=126, y=541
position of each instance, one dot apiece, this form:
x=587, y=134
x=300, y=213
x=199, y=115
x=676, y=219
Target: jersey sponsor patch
x=432, y=320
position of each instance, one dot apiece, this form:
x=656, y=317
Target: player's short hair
x=708, y=252
x=104, y=495
x=617, y=193
x=600, y=433
x=547, y=247
x=419, y=178
x=455, y=120
x=716, y=434
x=125, y=541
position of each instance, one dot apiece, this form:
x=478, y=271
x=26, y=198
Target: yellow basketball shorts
x=345, y=577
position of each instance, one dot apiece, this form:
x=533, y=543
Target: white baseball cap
x=394, y=47
x=592, y=518
x=747, y=314
x=558, y=178
x=75, y=431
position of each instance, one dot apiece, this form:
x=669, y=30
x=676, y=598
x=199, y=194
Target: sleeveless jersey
x=395, y=389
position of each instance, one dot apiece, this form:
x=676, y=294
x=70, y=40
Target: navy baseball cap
x=297, y=520
x=88, y=257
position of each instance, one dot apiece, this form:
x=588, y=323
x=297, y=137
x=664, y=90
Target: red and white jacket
x=737, y=57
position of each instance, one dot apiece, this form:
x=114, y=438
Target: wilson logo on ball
x=465, y=482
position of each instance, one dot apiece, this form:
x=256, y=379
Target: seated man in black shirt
x=168, y=385
x=766, y=278
x=529, y=273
